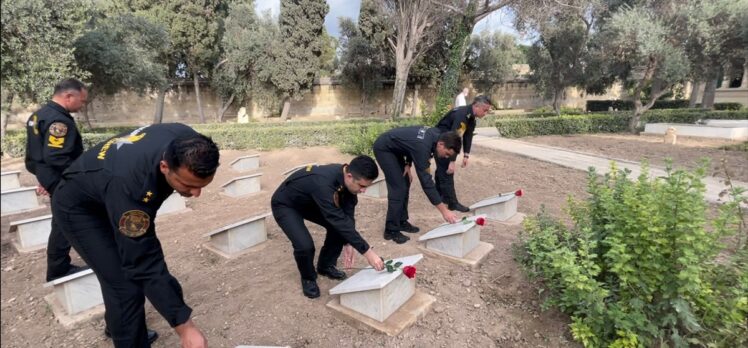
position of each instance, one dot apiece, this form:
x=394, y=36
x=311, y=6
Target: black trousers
x=291, y=221
x=445, y=183
x=86, y=225
x=58, y=252
x=398, y=188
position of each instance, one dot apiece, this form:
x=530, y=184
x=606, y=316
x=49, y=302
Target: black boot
x=455, y=205
x=310, y=288
x=396, y=237
x=152, y=335
x=332, y=273
x=407, y=227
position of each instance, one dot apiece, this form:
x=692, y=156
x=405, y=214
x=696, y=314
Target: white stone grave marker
x=77, y=292
x=18, y=200
x=500, y=208
x=233, y=240
x=456, y=239
x=292, y=170
x=172, y=205
x=377, y=189
x=245, y=163
x=32, y=234
x=243, y=185
x=10, y=180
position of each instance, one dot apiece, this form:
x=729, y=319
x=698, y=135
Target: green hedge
x=621, y=105
x=728, y=106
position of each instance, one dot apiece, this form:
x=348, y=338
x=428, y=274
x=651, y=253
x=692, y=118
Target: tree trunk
x=286, y=108
x=5, y=113
x=638, y=111
x=197, y=96
x=557, y=96
x=695, y=87
x=158, y=116
x=461, y=36
x=86, y=110
x=414, y=108
x=707, y=101
x=225, y=107
x=398, y=93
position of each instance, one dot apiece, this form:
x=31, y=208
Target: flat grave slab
x=10, y=180
x=175, y=204
x=415, y=308
x=377, y=189
x=238, y=238
x=19, y=200
x=31, y=234
x=498, y=208
x=292, y=170
x=76, y=298
x=739, y=133
x=242, y=186
x=246, y=163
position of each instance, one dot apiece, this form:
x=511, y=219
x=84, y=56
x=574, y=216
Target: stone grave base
x=22, y=250
x=416, y=307
x=515, y=220
x=224, y=194
x=71, y=321
x=11, y=213
x=208, y=246
x=473, y=259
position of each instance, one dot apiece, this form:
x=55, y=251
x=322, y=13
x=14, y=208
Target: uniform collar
x=155, y=185
x=59, y=108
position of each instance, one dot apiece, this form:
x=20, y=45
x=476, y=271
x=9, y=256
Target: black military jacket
x=52, y=143
x=122, y=175
x=321, y=187
x=462, y=121
x=417, y=144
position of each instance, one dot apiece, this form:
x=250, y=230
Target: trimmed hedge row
x=620, y=105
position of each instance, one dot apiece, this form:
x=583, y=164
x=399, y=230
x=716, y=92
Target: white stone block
x=18, y=200
x=499, y=208
x=377, y=189
x=739, y=133
x=230, y=241
x=172, y=205
x=242, y=185
x=457, y=239
x=32, y=234
x=10, y=180
x=77, y=292
x=290, y=171
x=246, y=163
x=377, y=294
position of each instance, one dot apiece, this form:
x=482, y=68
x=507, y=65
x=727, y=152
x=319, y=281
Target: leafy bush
x=565, y=110
x=620, y=105
x=594, y=123
x=728, y=106
x=640, y=268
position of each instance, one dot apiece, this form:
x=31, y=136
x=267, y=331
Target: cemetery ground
x=256, y=298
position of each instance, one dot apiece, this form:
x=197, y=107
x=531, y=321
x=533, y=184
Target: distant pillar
x=726, y=81
x=744, y=82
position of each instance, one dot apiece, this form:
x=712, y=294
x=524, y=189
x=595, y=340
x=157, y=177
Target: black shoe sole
x=332, y=277
x=395, y=239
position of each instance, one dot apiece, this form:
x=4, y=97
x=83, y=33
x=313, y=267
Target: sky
x=499, y=20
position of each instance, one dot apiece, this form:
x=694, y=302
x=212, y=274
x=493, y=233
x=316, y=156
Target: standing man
x=106, y=206
x=52, y=143
x=396, y=151
x=461, y=120
x=324, y=195
x=461, y=100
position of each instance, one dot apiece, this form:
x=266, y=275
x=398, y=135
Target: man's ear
x=163, y=166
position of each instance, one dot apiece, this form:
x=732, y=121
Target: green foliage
x=736, y=147
x=122, y=53
x=363, y=64
x=728, y=106
x=36, y=50
x=564, y=110
x=640, y=265
x=489, y=58
x=620, y=105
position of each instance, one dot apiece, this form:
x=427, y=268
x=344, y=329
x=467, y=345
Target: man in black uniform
x=324, y=195
x=396, y=151
x=461, y=120
x=52, y=143
x=106, y=205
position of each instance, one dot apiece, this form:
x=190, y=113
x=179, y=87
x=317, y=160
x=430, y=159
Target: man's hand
x=190, y=335
x=41, y=191
x=406, y=173
x=451, y=168
x=348, y=255
x=448, y=215
x=374, y=260
x=464, y=161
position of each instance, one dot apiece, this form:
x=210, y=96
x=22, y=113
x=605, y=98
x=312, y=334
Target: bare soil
x=256, y=299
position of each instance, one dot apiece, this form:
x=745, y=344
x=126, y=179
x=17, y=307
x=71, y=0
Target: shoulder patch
x=463, y=128
x=134, y=223
x=58, y=129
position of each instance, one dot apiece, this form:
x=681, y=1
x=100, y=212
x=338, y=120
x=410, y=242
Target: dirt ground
x=256, y=299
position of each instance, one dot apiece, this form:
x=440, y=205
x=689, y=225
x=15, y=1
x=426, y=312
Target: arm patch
x=134, y=223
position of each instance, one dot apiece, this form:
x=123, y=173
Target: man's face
x=355, y=186
x=75, y=100
x=183, y=181
x=480, y=109
x=443, y=152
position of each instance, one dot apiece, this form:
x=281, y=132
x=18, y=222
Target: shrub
x=620, y=105
x=728, y=106
x=594, y=123
x=639, y=267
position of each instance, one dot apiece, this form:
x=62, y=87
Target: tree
x=328, y=59
x=122, y=53
x=297, y=58
x=490, y=58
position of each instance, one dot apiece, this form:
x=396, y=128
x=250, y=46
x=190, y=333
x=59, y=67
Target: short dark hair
x=69, y=85
x=198, y=153
x=482, y=99
x=363, y=167
x=452, y=141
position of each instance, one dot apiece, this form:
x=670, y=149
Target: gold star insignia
x=148, y=194
x=146, y=199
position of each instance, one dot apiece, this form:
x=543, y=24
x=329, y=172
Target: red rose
x=409, y=271
x=519, y=193
x=480, y=221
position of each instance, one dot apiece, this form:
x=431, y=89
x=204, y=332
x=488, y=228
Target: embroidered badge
x=422, y=133
x=56, y=142
x=134, y=223
x=148, y=196
x=309, y=168
x=463, y=128
x=58, y=129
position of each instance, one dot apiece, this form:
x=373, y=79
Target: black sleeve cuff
x=181, y=316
